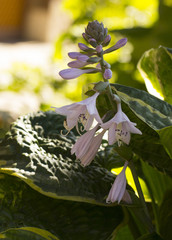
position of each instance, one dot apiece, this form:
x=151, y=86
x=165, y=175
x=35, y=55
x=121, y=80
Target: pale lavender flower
x=84, y=112
x=87, y=146
x=118, y=190
x=72, y=73
x=107, y=74
x=120, y=127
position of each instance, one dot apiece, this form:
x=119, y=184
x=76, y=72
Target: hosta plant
x=59, y=170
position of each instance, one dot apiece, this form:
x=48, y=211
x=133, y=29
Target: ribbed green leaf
x=27, y=233
x=153, y=117
x=42, y=158
x=156, y=68
x=67, y=220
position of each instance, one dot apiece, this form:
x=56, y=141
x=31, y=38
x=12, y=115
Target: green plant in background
x=58, y=182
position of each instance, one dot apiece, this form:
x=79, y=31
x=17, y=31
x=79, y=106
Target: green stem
x=109, y=90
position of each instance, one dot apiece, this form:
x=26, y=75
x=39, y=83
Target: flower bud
x=74, y=55
x=82, y=57
x=118, y=45
x=82, y=46
x=99, y=48
x=72, y=73
x=93, y=42
x=107, y=40
x=107, y=74
x=77, y=64
x=96, y=31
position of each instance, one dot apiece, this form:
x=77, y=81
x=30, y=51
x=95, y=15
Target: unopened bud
x=107, y=40
x=82, y=46
x=99, y=48
x=93, y=42
x=82, y=57
x=77, y=64
x=84, y=36
x=74, y=55
x=107, y=74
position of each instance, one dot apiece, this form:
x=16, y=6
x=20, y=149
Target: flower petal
x=83, y=143
x=91, y=106
x=93, y=148
x=130, y=127
x=118, y=188
x=89, y=123
x=112, y=134
x=126, y=197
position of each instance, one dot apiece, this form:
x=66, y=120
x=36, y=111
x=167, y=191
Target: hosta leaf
x=153, y=117
x=156, y=68
x=27, y=233
x=67, y=220
x=157, y=182
x=42, y=158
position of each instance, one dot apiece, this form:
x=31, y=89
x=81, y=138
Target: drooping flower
x=84, y=112
x=120, y=127
x=87, y=146
x=118, y=190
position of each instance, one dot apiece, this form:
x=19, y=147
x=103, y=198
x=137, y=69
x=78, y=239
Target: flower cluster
x=119, y=127
x=96, y=35
x=119, y=130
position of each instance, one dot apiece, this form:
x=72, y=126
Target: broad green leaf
x=165, y=216
x=27, y=233
x=41, y=157
x=157, y=182
x=156, y=68
x=153, y=116
x=166, y=136
x=22, y=206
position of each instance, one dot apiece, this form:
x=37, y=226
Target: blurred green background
x=39, y=34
